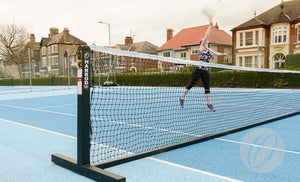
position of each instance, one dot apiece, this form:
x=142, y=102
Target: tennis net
x=134, y=107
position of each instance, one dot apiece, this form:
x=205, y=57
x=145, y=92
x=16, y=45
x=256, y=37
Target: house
x=54, y=52
x=186, y=44
x=265, y=40
x=135, y=64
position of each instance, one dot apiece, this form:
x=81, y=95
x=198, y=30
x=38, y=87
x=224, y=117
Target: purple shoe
x=210, y=107
x=181, y=102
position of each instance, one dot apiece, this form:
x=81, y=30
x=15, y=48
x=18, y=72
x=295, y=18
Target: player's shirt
x=205, y=56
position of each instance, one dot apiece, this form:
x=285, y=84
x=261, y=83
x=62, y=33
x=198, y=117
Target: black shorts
x=197, y=73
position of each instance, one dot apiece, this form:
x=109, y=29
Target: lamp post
x=29, y=69
x=67, y=56
x=110, y=62
x=108, y=31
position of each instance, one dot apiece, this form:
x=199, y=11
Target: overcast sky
x=146, y=20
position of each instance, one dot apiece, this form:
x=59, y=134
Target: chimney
x=282, y=7
x=169, y=34
x=53, y=31
x=66, y=35
x=217, y=26
x=32, y=38
x=128, y=40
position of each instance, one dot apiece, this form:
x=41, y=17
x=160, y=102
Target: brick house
x=53, y=51
x=185, y=44
x=135, y=64
x=265, y=40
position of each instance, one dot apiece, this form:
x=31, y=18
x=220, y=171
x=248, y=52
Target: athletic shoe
x=210, y=107
x=181, y=102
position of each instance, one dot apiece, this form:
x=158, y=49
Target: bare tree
x=13, y=40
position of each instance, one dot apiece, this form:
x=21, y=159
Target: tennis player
x=202, y=72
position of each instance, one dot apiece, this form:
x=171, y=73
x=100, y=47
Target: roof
x=141, y=47
x=192, y=36
x=72, y=50
x=288, y=11
x=59, y=39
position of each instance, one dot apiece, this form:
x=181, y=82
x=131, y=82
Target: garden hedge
x=234, y=79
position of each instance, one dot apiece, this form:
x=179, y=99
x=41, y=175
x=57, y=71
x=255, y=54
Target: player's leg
x=194, y=78
x=206, y=83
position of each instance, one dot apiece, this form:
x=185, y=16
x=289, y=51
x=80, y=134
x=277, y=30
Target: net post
x=83, y=106
x=83, y=166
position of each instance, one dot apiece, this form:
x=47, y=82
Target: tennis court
x=36, y=124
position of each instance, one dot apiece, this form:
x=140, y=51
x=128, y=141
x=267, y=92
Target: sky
x=145, y=20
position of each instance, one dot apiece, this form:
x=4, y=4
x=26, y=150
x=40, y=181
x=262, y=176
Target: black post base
x=89, y=171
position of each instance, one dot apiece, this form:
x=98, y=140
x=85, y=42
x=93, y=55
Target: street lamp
x=67, y=56
x=29, y=70
x=110, y=61
x=108, y=30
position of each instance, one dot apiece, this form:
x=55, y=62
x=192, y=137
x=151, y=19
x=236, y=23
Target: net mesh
x=142, y=113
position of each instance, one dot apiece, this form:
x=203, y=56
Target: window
x=256, y=37
x=49, y=50
x=249, y=38
x=54, y=49
x=279, y=60
x=116, y=60
x=43, y=51
x=122, y=60
x=241, y=39
x=166, y=54
x=240, y=61
x=44, y=62
x=54, y=60
x=133, y=60
x=183, y=55
x=279, y=35
x=195, y=51
x=248, y=61
x=256, y=62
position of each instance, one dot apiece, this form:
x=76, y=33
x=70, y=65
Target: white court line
x=151, y=158
x=153, y=128
x=40, y=110
x=55, y=106
x=193, y=169
x=266, y=147
x=37, y=128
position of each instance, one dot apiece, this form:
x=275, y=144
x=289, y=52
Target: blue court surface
x=34, y=125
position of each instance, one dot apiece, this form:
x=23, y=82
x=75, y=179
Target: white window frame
x=280, y=34
x=54, y=49
x=249, y=41
x=122, y=60
x=183, y=55
x=195, y=51
x=248, y=61
x=167, y=54
x=43, y=51
x=241, y=39
x=240, y=61
x=256, y=36
x=44, y=61
x=279, y=59
x=54, y=60
x=256, y=61
x=133, y=60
